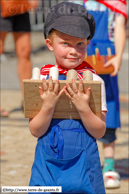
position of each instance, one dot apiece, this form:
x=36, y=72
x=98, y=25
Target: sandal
x=4, y=113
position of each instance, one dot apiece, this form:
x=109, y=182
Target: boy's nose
x=73, y=51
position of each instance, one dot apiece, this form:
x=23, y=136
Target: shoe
x=111, y=180
x=4, y=113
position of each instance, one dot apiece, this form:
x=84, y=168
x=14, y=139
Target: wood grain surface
x=65, y=108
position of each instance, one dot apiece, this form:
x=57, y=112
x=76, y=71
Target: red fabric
x=83, y=67
x=110, y=177
x=119, y=6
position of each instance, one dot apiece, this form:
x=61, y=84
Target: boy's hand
x=50, y=94
x=77, y=95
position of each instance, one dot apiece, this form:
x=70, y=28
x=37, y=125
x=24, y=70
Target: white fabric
x=103, y=92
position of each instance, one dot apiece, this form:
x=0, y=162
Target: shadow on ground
x=122, y=167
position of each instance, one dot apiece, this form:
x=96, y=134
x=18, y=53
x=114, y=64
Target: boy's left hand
x=77, y=95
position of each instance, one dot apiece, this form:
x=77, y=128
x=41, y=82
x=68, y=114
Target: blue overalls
x=67, y=155
x=102, y=42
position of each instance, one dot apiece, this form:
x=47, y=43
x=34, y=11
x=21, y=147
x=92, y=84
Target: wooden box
x=64, y=108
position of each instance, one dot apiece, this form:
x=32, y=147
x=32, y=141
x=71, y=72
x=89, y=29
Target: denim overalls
x=67, y=155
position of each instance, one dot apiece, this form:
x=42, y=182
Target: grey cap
x=71, y=19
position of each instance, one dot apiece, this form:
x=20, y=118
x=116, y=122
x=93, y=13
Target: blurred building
x=38, y=16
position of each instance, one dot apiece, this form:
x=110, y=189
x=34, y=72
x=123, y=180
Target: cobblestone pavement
x=18, y=145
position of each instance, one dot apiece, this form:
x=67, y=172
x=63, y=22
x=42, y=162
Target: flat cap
x=70, y=18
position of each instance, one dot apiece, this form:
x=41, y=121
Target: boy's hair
x=51, y=34
x=71, y=19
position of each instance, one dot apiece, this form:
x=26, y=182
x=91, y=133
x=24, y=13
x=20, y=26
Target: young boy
x=67, y=153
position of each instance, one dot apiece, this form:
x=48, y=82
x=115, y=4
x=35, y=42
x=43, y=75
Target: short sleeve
x=103, y=92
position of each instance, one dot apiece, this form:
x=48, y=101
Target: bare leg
x=23, y=49
x=109, y=150
x=3, y=113
x=2, y=39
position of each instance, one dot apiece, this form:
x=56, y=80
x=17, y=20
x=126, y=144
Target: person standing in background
x=110, y=18
x=19, y=25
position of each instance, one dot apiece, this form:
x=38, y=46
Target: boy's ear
x=88, y=41
x=49, y=44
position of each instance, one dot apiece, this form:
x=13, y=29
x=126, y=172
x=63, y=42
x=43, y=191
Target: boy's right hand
x=50, y=93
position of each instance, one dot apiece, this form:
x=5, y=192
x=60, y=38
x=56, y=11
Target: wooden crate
x=64, y=108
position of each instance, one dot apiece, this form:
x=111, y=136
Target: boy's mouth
x=72, y=59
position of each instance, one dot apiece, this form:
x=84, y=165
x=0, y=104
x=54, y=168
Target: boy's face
x=69, y=51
